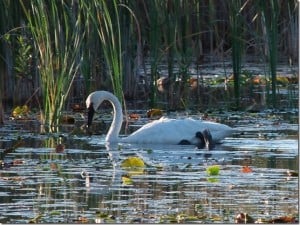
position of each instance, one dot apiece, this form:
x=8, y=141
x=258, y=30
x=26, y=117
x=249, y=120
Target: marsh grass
x=105, y=39
x=154, y=42
x=236, y=27
x=105, y=20
x=56, y=30
x=270, y=15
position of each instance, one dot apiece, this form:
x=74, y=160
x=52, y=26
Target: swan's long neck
x=114, y=130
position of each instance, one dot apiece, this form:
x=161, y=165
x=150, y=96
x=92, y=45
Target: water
x=84, y=182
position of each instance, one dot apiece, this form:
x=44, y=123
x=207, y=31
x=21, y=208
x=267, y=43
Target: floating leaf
x=292, y=173
x=126, y=180
x=59, y=148
x=246, y=169
x=283, y=80
x=213, y=170
x=20, y=111
x=17, y=162
x=134, y=165
x=82, y=219
x=244, y=218
x=66, y=119
x=35, y=219
x=78, y=108
x=134, y=116
x=258, y=80
x=133, y=162
x=154, y=113
x=283, y=219
x=55, y=213
x=104, y=218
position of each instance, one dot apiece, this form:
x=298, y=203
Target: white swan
x=162, y=131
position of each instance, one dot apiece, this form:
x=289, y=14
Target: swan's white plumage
x=162, y=131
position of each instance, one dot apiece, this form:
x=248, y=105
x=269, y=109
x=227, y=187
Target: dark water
x=84, y=183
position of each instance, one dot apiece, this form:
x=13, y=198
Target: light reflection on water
x=52, y=185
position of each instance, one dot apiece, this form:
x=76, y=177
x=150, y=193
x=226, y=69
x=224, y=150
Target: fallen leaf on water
x=20, y=111
x=133, y=165
x=126, y=180
x=55, y=213
x=134, y=116
x=78, y=108
x=66, y=119
x=246, y=169
x=244, y=218
x=35, y=219
x=53, y=166
x=292, y=173
x=82, y=219
x=18, y=162
x=283, y=219
x=133, y=162
x=104, y=218
x=59, y=148
x=13, y=178
x=154, y=113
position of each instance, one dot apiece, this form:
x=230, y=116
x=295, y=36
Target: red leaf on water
x=134, y=116
x=246, y=169
x=283, y=219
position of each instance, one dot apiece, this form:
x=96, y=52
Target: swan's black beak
x=91, y=112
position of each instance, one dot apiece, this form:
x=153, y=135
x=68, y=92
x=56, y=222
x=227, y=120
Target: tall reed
x=105, y=18
x=154, y=42
x=133, y=60
x=56, y=30
x=270, y=15
x=236, y=32
x=169, y=31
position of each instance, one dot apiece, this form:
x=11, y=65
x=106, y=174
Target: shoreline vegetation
x=54, y=53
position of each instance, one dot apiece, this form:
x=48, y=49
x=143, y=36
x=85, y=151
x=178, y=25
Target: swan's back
x=172, y=131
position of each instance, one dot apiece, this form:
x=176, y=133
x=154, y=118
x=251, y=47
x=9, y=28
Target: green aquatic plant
x=154, y=42
x=105, y=19
x=236, y=32
x=213, y=170
x=269, y=18
x=270, y=15
x=57, y=33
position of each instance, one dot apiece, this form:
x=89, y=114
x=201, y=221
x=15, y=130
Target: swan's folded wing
x=172, y=131
x=164, y=131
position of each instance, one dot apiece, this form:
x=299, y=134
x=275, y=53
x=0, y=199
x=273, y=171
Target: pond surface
x=85, y=183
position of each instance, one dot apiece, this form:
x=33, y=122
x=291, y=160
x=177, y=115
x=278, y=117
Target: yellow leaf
x=126, y=180
x=133, y=162
x=20, y=111
x=134, y=165
x=154, y=113
x=16, y=112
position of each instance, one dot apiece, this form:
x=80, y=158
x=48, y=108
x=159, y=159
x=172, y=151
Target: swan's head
x=93, y=101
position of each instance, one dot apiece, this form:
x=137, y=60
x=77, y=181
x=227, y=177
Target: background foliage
x=108, y=45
